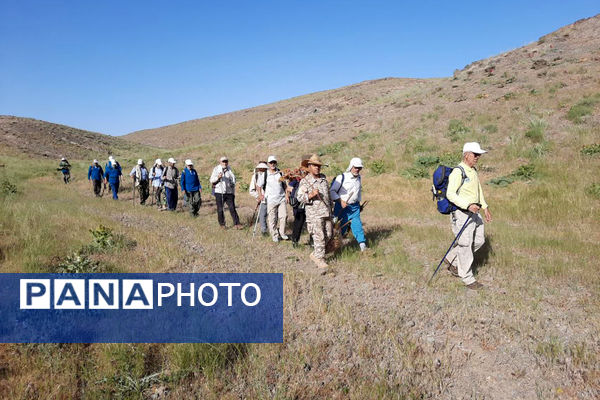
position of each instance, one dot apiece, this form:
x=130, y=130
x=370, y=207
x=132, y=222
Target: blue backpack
x=440, y=186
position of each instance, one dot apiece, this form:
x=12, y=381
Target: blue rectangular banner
x=141, y=308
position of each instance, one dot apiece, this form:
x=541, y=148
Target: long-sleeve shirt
x=317, y=207
x=225, y=184
x=256, y=183
x=349, y=191
x=470, y=192
x=189, y=181
x=95, y=173
x=140, y=173
x=112, y=174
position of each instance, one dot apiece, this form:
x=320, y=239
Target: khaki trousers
x=469, y=242
x=277, y=212
x=321, y=230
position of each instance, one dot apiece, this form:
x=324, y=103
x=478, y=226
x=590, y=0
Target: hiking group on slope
x=328, y=209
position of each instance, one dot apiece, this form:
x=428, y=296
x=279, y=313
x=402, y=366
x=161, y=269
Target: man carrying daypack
x=157, y=183
x=346, y=192
x=65, y=168
x=276, y=197
x=170, y=177
x=467, y=195
x=112, y=163
x=139, y=173
x=95, y=174
x=257, y=190
x=190, y=185
x=223, y=181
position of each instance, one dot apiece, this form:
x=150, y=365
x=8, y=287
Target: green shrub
x=427, y=160
x=77, y=263
x=539, y=150
x=331, y=148
x=593, y=190
x=490, y=128
x=536, y=129
x=450, y=159
x=582, y=109
x=378, y=167
x=456, y=130
x=523, y=173
x=591, y=149
x=417, y=172
x=104, y=239
x=7, y=188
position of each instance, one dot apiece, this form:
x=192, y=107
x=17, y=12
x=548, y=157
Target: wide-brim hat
x=262, y=165
x=313, y=159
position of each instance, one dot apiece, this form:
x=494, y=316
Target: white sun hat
x=355, y=162
x=95, y=161
x=172, y=160
x=473, y=147
x=188, y=162
x=158, y=161
x=140, y=161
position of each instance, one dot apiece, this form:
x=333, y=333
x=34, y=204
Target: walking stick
x=152, y=200
x=450, y=248
x=133, y=192
x=257, y=216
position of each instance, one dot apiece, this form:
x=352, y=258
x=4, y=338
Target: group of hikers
x=329, y=210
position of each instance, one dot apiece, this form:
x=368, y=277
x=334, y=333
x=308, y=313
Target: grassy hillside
x=371, y=328
x=41, y=139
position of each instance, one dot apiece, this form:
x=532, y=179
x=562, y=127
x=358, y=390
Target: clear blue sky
x=119, y=66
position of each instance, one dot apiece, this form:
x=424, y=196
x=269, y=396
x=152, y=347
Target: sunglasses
x=272, y=162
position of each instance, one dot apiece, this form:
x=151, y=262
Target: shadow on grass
x=373, y=237
x=481, y=257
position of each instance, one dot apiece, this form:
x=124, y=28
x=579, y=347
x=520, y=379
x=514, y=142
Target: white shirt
x=257, y=182
x=274, y=192
x=225, y=185
x=350, y=190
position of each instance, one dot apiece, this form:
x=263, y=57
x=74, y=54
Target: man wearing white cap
x=346, y=192
x=223, y=181
x=257, y=190
x=95, y=174
x=170, y=178
x=157, y=184
x=112, y=163
x=139, y=173
x=190, y=185
x=468, y=197
x=276, y=197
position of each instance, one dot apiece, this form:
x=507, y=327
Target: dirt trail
x=469, y=341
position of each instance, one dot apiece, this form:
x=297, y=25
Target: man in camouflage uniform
x=313, y=191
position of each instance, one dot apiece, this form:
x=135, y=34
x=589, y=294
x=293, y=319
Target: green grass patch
x=591, y=149
x=523, y=173
x=457, y=130
x=535, y=131
x=593, y=190
x=583, y=108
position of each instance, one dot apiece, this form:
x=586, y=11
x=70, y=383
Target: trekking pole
x=152, y=200
x=257, y=216
x=450, y=248
x=133, y=192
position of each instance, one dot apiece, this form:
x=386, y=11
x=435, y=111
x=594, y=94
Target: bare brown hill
x=40, y=138
x=559, y=67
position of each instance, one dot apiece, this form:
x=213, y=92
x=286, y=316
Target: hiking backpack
x=440, y=186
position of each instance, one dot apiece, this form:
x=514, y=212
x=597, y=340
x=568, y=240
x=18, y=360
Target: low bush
x=591, y=149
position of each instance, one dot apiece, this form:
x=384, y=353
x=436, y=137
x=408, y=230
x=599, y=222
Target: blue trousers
x=351, y=212
x=171, y=198
x=114, y=187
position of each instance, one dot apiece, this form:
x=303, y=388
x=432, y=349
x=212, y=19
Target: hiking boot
x=475, y=286
x=320, y=262
x=238, y=226
x=453, y=269
x=284, y=237
x=276, y=240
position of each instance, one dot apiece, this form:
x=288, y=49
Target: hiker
x=293, y=181
x=157, y=184
x=190, y=185
x=467, y=195
x=170, y=177
x=65, y=168
x=95, y=174
x=277, y=197
x=223, y=181
x=313, y=191
x=109, y=164
x=139, y=173
x=346, y=191
x=257, y=190
x=112, y=176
